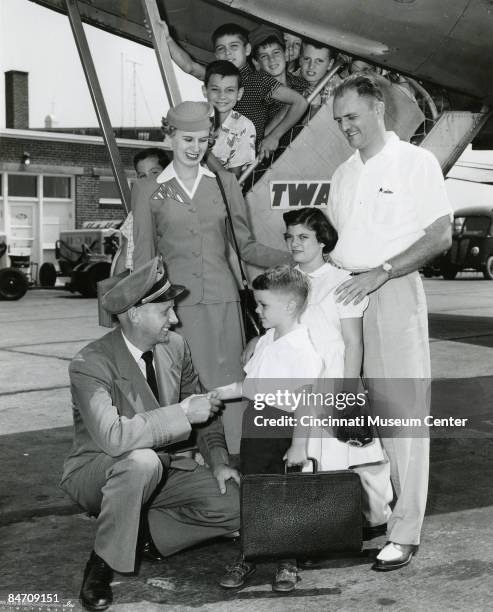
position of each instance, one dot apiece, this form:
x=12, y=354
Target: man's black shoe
x=96, y=593
x=394, y=556
x=151, y=553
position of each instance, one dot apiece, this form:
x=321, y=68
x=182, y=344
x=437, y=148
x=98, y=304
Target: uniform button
x=193, y=209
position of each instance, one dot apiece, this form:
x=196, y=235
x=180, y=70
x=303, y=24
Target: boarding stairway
x=451, y=133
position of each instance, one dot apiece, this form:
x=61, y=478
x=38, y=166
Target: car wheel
x=47, y=275
x=449, y=272
x=428, y=273
x=13, y=284
x=89, y=283
x=488, y=268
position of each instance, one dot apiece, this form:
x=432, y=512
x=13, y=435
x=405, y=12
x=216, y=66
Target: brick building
x=54, y=180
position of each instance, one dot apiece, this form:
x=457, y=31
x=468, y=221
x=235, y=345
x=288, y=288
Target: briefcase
x=300, y=514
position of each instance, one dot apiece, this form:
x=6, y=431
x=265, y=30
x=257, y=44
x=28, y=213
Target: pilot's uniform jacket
x=112, y=470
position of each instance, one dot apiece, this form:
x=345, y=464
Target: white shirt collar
x=170, y=172
x=229, y=121
x=134, y=351
x=318, y=272
x=391, y=139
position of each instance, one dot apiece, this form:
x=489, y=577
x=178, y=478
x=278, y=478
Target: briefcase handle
x=314, y=464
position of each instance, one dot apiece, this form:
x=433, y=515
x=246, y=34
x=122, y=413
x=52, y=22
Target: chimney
x=16, y=100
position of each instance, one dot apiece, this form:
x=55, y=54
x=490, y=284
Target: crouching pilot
x=133, y=392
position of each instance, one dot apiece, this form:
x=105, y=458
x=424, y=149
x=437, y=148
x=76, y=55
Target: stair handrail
x=336, y=67
x=425, y=95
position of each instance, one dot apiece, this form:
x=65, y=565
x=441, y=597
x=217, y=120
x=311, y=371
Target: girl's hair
x=315, y=220
x=167, y=129
x=287, y=280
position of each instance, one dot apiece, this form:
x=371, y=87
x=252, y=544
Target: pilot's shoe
x=150, y=552
x=394, y=556
x=96, y=593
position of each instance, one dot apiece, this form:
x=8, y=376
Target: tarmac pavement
x=45, y=539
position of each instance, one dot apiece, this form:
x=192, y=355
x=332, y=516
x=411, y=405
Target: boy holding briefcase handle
x=285, y=352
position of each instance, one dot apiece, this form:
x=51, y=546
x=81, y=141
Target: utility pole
x=134, y=87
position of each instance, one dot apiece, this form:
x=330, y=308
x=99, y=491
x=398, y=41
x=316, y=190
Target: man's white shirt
x=136, y=354
x=381, y=207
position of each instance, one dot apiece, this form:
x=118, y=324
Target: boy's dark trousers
x=264, y=454
x=263, y=447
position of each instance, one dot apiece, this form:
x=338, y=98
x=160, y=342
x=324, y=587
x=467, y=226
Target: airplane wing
x=447, y=42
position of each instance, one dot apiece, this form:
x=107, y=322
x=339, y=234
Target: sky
x=39, y=41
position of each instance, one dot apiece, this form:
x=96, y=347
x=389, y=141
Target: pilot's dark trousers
x=188, y=509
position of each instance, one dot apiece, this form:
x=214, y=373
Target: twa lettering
x=295, y=194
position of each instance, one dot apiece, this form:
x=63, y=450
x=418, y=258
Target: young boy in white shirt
x=285, y=352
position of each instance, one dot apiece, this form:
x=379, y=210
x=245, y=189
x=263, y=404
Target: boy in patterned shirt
x=234, y=144
x=269, y=54
x=231, y=43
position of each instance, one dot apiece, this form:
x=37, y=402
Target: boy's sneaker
x=236, y=574
x=286, y=578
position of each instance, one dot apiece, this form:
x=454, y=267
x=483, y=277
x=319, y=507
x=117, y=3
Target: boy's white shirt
x=291, y=358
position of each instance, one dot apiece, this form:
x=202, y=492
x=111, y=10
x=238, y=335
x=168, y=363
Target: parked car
x=85, y=255
x=472, y=245
x=13, y=282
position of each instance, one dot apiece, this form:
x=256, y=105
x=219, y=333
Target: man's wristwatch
x=387, y=267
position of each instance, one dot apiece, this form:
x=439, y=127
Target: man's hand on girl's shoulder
x=356, y=288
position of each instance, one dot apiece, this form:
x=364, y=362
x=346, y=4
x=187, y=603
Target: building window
x=56, y=187
x=108, y=191
x=23, y=185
